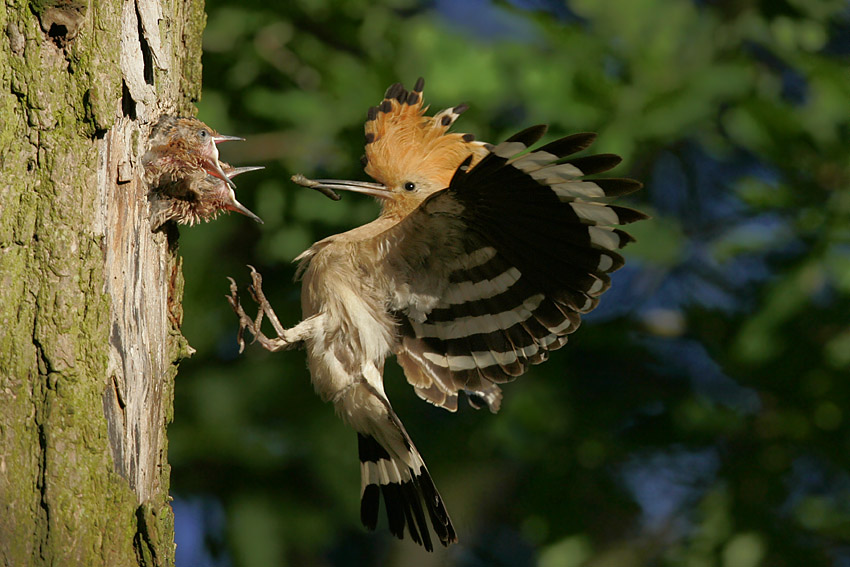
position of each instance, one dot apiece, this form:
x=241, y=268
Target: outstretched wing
x=500, y=265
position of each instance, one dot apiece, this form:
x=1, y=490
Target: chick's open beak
x=211, y=163
x=235, y=205
x=218, y=138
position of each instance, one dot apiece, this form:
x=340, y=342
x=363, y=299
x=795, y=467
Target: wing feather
x=522, y=244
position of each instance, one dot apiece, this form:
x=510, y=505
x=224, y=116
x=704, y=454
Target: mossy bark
x=89, y=296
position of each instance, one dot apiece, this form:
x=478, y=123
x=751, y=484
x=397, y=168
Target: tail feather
x=369, y=501
x=419, y=526
x=438, y=513
x=404, y=488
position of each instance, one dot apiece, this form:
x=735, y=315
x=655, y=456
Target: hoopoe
x=192, y=200
x=481, y=262
x=188, y=181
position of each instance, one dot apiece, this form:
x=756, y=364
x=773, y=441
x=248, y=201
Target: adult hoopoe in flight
x=481, y=262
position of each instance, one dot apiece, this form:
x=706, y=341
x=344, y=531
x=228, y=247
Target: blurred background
x=699, y=417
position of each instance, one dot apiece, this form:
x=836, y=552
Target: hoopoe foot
x=254, y=325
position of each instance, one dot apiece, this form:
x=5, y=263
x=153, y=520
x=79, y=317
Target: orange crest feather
x=401, y=140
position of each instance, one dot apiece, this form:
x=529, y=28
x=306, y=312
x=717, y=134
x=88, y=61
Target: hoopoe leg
x=287, y=339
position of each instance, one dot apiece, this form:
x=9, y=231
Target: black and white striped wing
x=537, y=242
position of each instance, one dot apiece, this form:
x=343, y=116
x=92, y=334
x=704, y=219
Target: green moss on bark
x=196, y=20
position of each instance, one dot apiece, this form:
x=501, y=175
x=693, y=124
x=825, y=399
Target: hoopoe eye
x=409, y=186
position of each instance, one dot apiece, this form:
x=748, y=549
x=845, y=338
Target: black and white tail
x=404, y=482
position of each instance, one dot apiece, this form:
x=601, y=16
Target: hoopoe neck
x=370, y=230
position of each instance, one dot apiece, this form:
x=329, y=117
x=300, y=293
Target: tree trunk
x=89, y=296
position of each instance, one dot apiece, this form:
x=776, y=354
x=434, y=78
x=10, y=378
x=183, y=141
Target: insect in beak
x=329, y=187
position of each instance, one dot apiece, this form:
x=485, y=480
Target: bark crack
x=147, y=536
x=44, y=508
x=40, y=397
x=147, y=53
x=128, y=105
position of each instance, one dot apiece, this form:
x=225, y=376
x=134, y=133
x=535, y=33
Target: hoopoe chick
x=482, y=261
x=193, y=200
x=188, y=181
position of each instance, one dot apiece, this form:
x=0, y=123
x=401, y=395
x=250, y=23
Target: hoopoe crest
x=481, y=262
x=411, y=154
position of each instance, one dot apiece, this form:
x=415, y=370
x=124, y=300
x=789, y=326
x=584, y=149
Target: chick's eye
x=409, y=186
x=202, y=134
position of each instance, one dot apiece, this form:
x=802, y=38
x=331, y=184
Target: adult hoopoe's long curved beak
x=329, y=187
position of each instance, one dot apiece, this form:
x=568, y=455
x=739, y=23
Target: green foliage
x=697, y=418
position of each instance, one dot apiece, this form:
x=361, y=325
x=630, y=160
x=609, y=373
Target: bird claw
x=244, y=320
x=254, y=325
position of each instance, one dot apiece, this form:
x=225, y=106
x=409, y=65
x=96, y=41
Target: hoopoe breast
x=344, y=284
x=348, y=284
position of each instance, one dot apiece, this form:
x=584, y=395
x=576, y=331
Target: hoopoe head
x=409, y=154
x=182, y=145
